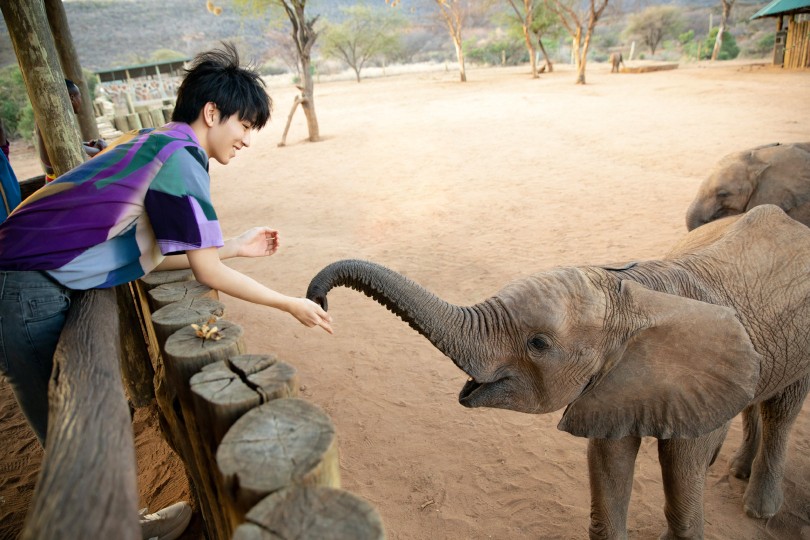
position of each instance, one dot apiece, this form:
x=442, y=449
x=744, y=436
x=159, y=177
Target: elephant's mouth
x=482, y=394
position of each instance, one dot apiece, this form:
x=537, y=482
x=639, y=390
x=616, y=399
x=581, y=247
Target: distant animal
x=772, y=174
x=615, y=60
x=672, y=348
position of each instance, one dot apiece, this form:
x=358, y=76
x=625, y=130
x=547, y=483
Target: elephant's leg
x=610, y=466
x=763, y=496
x=684, y=463
x=740, y=464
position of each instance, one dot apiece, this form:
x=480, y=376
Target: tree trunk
x=718, y=41
x=308, y=100
x=545, y=54
x=460, y=56
x=72, y=68
x=36, y=53
x=530, y=47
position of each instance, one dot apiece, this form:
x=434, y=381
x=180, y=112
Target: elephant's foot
x=762, y=501
x=696, y=533
x=740, y=464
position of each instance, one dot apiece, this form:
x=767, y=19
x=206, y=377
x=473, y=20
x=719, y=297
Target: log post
x=184, y=354
x=297, y=444
x=87, y=487
x=311, y=513
x=72, y=68
x=36, y=53
x=136, y=361
x=171, y=318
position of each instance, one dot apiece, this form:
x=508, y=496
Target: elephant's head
x=625, y=359
x=773, y=174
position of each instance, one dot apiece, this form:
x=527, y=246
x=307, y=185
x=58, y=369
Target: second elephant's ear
x=686, y=371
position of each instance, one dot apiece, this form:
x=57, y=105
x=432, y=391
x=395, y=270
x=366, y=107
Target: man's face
x=225, y=138
x=75, y=100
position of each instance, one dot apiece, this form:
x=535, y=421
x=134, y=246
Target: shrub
x=728, y=51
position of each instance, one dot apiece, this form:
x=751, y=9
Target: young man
x=143, y=204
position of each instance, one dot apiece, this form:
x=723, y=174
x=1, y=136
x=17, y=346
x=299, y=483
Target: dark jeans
x=33, y=308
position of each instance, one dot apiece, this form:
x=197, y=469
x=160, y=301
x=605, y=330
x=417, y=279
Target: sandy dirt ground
x=463, y=188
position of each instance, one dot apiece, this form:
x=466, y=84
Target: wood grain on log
x=224, y=391
x=311, y=513
x=171, y=318
x=165, y=294
x=281, y=443
x=87, y=486
x=155, y=279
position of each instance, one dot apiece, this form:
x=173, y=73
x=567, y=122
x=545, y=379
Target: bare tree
x=303, y=36
x=718, y=42
x=576, y=22
x=454, y=14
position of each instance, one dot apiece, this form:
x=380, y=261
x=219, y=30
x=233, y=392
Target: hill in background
x=114, y=33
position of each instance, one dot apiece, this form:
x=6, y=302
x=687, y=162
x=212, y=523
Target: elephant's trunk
x=456, y=331
x=694, y=217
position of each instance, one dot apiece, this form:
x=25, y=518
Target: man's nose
x=246, y=139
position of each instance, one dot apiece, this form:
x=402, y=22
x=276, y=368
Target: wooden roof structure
x=792, y=45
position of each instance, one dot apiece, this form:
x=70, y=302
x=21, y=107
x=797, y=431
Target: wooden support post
x=137, y=369
x=87, y=486
x=298, y=101
x=312, y=513
x=297, y=442
x=184, y=355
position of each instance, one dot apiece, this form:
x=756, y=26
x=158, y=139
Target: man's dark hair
x=217, y=77
x=71, y=86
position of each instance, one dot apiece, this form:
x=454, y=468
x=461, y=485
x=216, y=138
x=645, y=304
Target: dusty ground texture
x=464, y=187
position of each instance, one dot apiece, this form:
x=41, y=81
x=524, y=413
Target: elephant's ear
x=686, y=371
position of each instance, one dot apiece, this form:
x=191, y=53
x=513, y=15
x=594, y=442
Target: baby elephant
x=774, y=174
x=615, y=61
x=671, y=348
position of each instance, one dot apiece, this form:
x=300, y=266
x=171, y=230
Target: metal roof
x=783, y=7
x=142, y=70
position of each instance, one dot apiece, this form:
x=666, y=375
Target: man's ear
x=209, y=113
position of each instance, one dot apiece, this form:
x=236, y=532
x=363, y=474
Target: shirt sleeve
x=178, y=203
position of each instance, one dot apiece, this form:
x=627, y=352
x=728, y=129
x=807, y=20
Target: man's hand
x=257, y=242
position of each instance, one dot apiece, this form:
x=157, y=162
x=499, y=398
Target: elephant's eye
x=539, y=343
x=723, y=194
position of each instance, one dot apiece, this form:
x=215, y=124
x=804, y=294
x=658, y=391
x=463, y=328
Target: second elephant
x=671, y=348
x=774, y=174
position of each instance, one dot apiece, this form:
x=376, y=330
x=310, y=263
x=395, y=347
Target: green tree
x=654, y=24
x=728, y=49
x=364, y=34
x=535, y=21
x=721, y=34
x=15, y=107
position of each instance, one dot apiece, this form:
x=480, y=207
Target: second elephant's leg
x=740, y=464
x=684, y=463
x=763, y=496
x=610, y=467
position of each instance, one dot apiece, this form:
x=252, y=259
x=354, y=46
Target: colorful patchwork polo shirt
x=113, y=219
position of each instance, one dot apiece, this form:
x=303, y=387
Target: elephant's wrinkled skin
x=774, y=174
x=671, y=348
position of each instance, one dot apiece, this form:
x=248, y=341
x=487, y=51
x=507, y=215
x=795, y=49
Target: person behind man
x=9, y=186
x=144, y=204
x=90, y=148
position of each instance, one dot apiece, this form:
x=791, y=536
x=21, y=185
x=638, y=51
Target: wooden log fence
x=262, y=463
